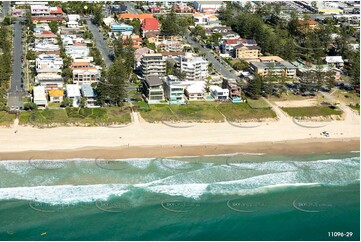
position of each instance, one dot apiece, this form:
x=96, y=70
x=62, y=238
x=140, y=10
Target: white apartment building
x=48, y=61
x=86, y=75
x=174, y=90
x=219, y=93
x=153, y=64
x=40, y=96
x=77, y=51
x=39, y=10
x=195, y=68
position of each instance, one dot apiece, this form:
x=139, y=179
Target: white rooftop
x=72, y=90
x=334, y=59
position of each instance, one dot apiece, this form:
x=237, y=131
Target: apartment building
x=86, y=75
x=273, y=65
x=153, y=89
x=243, y=51
x=233, y=88
x=89, y=94
x=40, y=96
x=174, y=90
x=153, y=64
x=195, y=90
x=48, y=61
x=219, y=93
x=195, y=68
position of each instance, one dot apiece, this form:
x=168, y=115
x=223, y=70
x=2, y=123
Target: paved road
x=222, y=69
x=103, y=47
x=15, y=91
x=100, y=43
x=131, y=7
x=5, y=10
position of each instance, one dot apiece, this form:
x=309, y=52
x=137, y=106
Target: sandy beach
x=142, y=139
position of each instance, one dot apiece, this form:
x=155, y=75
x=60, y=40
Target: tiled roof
x=150, y=24
x=56, y=93
x=138, y=16
x=56, y=10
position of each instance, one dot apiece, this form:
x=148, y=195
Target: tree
x=54, y=27
x=199, y=31
x=129, y=58
x=170, y=67
x=355, y=68
x=169, y=25
x=214, y=38
x=112, y=90
x=180, y=74
x=98, y=14
x=67, y=102
x=240, y=65
x=254, y=87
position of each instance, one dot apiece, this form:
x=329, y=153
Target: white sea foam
x=185, y=190
x=63, y=194
x=209, y=179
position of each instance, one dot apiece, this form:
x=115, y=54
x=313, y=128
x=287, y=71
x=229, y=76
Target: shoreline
x=293, y=147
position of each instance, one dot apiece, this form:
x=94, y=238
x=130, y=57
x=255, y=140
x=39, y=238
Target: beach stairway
x=135, y=118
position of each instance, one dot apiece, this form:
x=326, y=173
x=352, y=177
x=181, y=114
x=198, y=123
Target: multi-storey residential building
x=243, y=51
x=153, y=89
x=73, y=92
x=231, y=46
x=77, y=51
x=49, y=80
x=195, y=90
x=45, y=61
x=207, y=6
x=273, y=65
x=89, y=94
x=234, y=89
x=195, y=68
x=153, y=64
x=174, y=90
x=42, y=10
x=40, y=96
x=219, y=93
x=86, y=75
x=121, y=28
x=205, y=19
x=39, y=10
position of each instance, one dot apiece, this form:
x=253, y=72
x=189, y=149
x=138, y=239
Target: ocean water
x=225, y=197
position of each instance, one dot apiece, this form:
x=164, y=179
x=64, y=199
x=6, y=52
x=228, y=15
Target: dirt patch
x=297, y=103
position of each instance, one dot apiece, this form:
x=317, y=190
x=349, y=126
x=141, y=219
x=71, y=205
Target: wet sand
x=295, y=147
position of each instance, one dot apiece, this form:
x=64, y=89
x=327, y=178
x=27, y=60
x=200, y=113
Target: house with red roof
x=57, y=11
x=149, y=25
